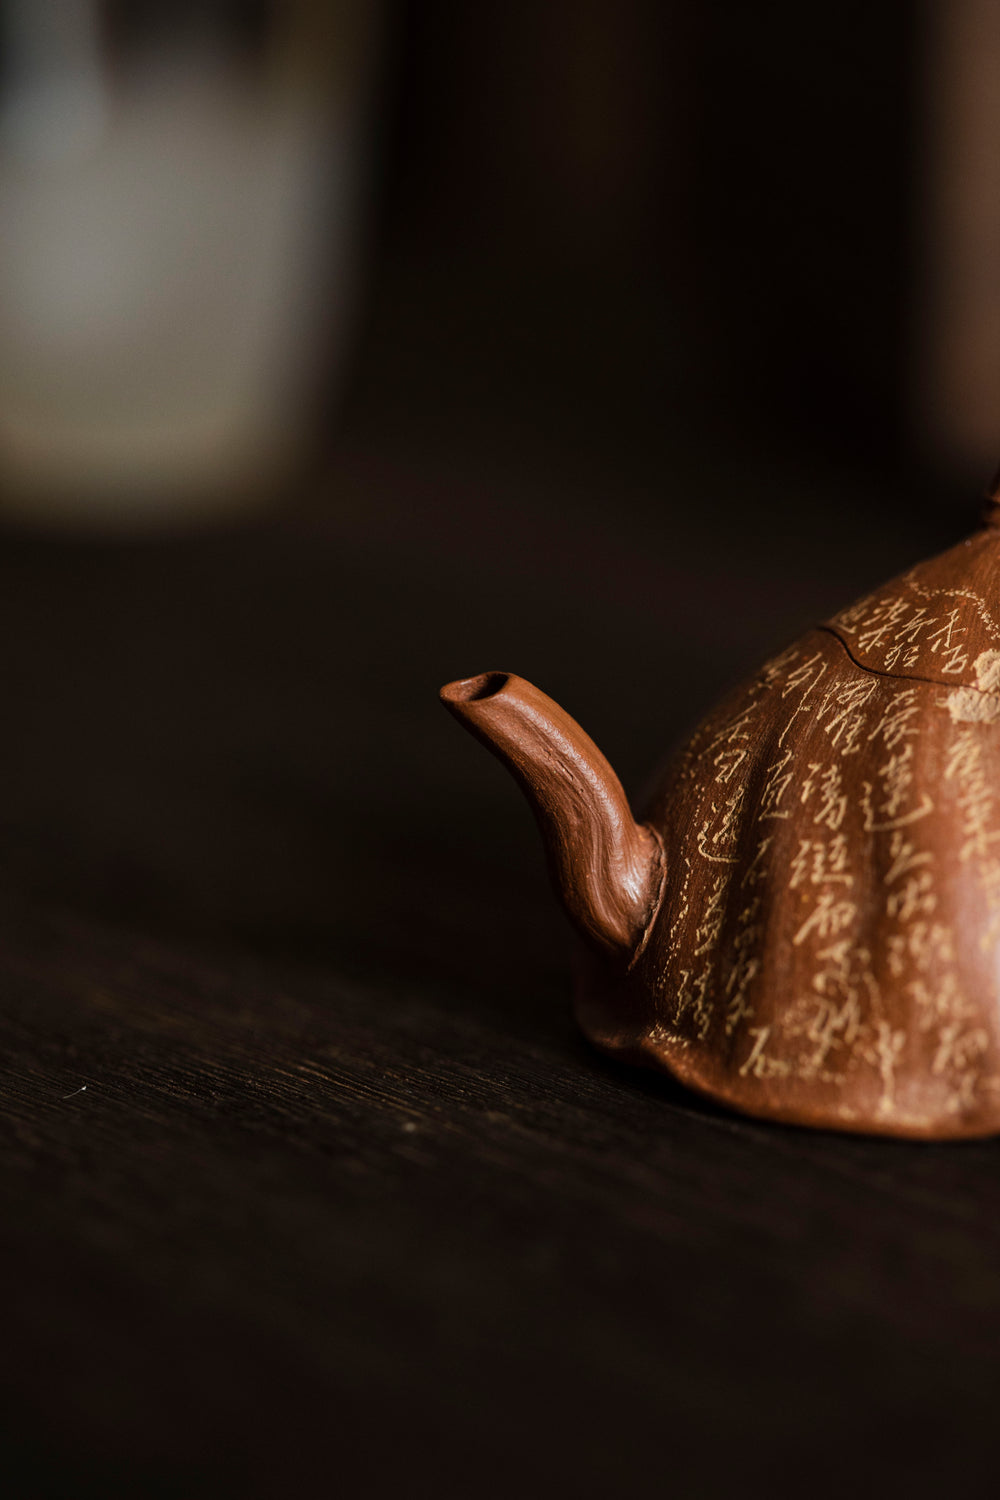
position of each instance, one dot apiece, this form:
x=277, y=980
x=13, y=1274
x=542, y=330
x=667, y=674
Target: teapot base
x=614, y=1014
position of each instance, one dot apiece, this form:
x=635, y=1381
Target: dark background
x=346, y=1205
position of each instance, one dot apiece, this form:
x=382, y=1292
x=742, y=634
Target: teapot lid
x=939, y=622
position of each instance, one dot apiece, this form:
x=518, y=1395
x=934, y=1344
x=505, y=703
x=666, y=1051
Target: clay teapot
x=805, y=922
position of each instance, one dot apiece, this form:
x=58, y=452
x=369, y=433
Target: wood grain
x=346, y=1207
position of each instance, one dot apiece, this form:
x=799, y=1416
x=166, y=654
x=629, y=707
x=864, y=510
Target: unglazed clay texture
x=814, y=916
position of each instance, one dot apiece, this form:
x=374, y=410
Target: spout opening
x=474, y=689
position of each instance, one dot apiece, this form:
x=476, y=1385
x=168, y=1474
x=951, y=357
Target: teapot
x=803, y=924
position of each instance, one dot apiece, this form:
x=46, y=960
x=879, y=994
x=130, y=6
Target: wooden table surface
x=308, y=1184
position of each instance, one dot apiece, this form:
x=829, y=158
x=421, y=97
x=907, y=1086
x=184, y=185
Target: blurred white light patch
x=176, y=255
x=54, y=104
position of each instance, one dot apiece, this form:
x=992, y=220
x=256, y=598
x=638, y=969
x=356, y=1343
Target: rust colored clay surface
x=805, y=923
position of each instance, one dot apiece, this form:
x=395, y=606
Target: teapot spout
x=607, y=868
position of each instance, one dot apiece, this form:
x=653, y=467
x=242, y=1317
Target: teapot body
x=827, y=947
